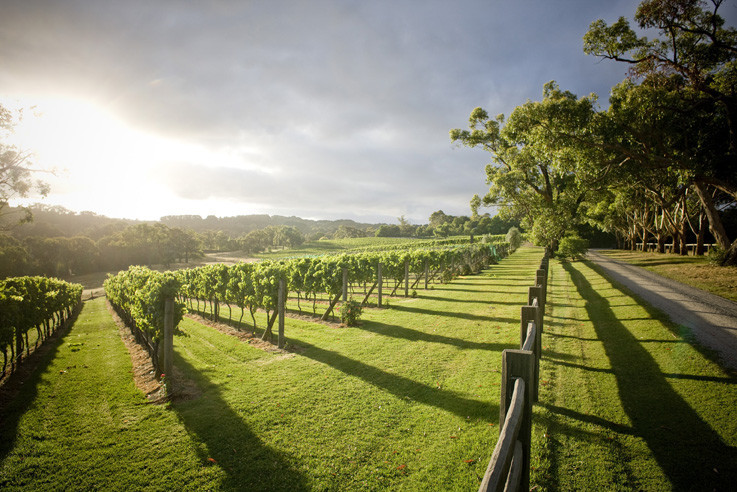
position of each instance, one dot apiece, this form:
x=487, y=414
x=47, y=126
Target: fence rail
x=509, y=468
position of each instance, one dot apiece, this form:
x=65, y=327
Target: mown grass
x=80, y=423
x=628, y=402
x=695, y=271
x=408, y=400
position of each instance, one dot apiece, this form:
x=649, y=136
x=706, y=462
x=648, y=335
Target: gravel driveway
x=712, y=319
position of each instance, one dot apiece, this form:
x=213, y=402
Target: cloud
x=346, y=104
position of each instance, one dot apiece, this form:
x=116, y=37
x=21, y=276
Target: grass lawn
x=627, y=401
x=692, y=270
x=408, y=400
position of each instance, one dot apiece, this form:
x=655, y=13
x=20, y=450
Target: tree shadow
x=226, y=441
x=404, y=333
x=673, y=431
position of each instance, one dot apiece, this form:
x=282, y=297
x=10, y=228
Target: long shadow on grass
x=224, y=437
x=401, y=386
x=686, y=448
x=19, y=392
x=402, y=332
x=471, y=317
x=521, y=302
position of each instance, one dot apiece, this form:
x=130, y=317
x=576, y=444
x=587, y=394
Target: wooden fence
x=509, y=468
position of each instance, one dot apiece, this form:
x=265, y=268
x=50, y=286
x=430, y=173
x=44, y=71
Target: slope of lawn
x=408, y=400
x=627, y=401
x=695, y=271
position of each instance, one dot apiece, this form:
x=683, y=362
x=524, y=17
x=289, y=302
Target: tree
x=696, y=52
x=542, y=167
x=16, y=168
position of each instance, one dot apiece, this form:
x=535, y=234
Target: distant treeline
x=59, y=242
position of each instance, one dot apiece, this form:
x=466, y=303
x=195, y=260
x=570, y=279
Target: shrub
x=350, y=311
x=514, y=238
x=572, y=247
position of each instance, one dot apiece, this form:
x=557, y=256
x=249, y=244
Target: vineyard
x=28, y=303
x=138, y=294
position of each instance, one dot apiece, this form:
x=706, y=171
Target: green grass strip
x=628, y=402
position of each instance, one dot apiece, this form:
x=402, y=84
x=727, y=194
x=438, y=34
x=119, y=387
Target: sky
x=320, y=109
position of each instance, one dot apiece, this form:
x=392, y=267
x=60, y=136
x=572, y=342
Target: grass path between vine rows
x=628, y=400
x=408, y=400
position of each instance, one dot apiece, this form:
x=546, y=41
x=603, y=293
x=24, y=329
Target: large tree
x=542, y=165
x=697, y=55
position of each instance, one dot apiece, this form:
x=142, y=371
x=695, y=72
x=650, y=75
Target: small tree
x=572, y=247
x=514, y=238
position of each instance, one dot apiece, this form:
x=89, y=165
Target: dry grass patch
x=695, y=271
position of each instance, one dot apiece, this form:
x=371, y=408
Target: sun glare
x=100, y=163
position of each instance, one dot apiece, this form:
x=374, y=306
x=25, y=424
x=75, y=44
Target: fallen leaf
x=454, y=437
x=469, y=461
x=211, y=460
x=401, y=467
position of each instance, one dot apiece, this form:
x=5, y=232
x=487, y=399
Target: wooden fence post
x=519, y=364
x=345, y=284
x=282, y=308
x=380, y=281
x=168, y=340
x=406, y=278
x=532, y=313
x=541, y=280
x=427, y=273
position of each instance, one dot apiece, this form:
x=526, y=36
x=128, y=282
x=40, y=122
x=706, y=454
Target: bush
x=717, y=256
x=350, y=311
x=514, y=238
x=572, y=247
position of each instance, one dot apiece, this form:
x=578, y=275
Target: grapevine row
x=138, y=295
x=254, y=286
x=33, y=302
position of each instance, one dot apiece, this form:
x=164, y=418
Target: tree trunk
x=715, y=222
x=700, y=238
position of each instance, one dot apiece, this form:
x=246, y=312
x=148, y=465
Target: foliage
x=16, y=168
x=514, y=238
x=138, y=295
x=572, y=247
x=33, y=302
x=350, y=312
x=541, y=171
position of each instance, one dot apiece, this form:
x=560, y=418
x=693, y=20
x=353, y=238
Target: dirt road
x=712, y=319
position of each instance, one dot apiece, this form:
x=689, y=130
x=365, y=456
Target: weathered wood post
x=541, y=280
x=168, y=341
x=427, y=273
x=532, y=313
x=345, y=284
x=406, y=278
x=379, y=281
x=519, y=364
x=282, y=310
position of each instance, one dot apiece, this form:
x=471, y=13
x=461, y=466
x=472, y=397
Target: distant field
x=691, y=270
x=326, y=246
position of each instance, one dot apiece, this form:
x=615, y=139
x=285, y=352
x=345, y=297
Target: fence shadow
x=670, y=427
x=224, y=437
